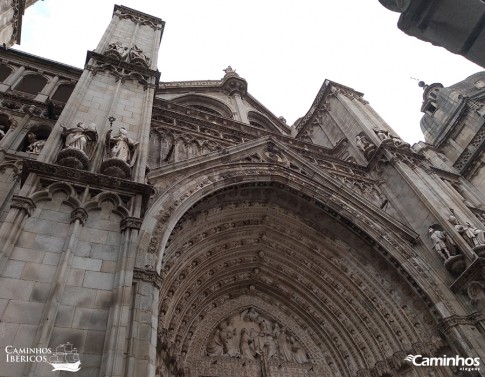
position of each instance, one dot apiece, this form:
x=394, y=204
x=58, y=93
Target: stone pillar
x=20, y=208
x=118, y=323
x=47, y=91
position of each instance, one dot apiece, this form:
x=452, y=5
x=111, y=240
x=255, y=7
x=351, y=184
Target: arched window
x=35, y=138
x=5, y=71
x=206, y=104
x=31, y=84
x=260, y=121
x=4, y=125
x=63, y=92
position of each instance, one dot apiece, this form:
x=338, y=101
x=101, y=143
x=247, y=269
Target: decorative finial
x=111, y=119
x=229, y=70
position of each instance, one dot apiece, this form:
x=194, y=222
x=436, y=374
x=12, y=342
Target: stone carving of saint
x=79, y=136
x=215, y=347
x=122, y=147
x=439, y=238
x=264, y=340
x=245, y=345
x=228, y=336
x=473, y=236
x=284, y=346
x=35, y=146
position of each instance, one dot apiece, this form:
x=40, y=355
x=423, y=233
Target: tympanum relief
x=250, y=335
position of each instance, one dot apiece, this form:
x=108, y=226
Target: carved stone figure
x=298, y=352
x=249, y=335
x=473, y=236
x=227, y=335
x=245, y=345
x=79, y=143
x=438, y=237
x=365, y=146
x=387, y=138
x=117, y=49
x=215, y=347
x=284, y=346
x=2, y=133
x=122, y=147
x=138, y=56
x=79, y=136
x=35, y=146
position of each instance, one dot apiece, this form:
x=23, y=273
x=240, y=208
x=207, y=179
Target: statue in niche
x=79, y=143
x=78, y=137
x=439, y=239
x=121, y=154
x=473, y=236
x=137, y=56
x=35, y=146
x=117, y=49
x=122, y=147
x=2, y=132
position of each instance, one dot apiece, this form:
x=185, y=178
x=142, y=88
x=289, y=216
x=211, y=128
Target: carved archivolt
x=344, y=305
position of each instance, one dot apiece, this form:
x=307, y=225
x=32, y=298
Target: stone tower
x=76, y=240
x=181, y=229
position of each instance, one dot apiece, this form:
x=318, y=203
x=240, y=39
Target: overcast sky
x=285, y=49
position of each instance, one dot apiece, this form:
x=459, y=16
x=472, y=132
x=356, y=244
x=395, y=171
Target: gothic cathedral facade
x=181, y=229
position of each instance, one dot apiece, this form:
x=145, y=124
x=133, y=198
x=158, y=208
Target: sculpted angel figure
x=122, y=147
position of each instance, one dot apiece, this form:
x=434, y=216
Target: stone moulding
x=79, y=214
x=23, y=203
x=149, y=276
x=139, y=17
x=63, y=173
x=130, y=223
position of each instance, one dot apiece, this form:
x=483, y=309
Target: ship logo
x=65, y=358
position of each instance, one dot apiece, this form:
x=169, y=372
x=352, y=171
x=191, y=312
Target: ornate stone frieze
x=123, y=71
x=79, y=214
x=447, y=324
x=130, y=223
x=62, y=173
x=23, y=203
x=18, y=103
